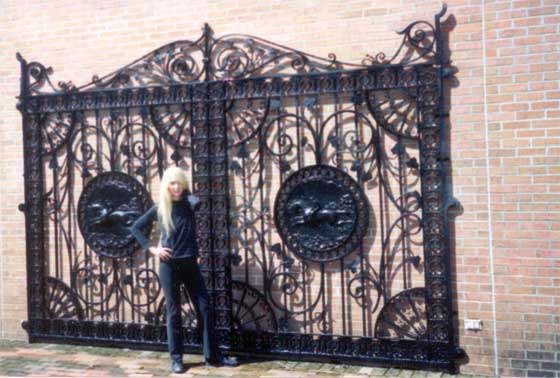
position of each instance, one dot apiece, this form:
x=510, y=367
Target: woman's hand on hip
x=163, y=253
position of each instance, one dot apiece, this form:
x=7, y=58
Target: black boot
x=177, y=366
x=222, y=362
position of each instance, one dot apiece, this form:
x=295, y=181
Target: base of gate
x=365, y=351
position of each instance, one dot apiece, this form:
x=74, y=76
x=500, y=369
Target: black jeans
x=172, y=274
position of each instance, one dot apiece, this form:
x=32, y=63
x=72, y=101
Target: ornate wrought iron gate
x=323, y=228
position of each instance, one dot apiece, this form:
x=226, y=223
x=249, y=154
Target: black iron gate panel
x=323, y=228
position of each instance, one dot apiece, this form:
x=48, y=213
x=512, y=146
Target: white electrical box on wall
x=473, y=324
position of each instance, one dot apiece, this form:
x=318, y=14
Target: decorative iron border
x=334, y=82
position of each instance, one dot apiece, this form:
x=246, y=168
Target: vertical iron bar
x=361, y=251
x=226, y=253
x=56, y=198
x=299, y=165
x=284, y=253
x=81, y=125
x=246, y=198
x=378, y=145
x=401, y=211
x=339, y=163
x=324, y=316
x=129, y=140
x=260, y=185
x=70, y=197
x=151, y=307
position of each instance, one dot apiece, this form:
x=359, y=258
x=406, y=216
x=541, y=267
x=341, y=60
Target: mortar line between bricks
x=488, y=189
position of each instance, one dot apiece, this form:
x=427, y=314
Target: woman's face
x=175, y=189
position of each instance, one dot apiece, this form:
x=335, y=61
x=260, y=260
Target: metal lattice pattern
x=351, y=261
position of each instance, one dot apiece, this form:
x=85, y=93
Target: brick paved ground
x=18, y=358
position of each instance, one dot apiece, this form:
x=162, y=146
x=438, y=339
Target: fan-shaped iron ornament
x=321, y=213
x=404, y=316
x=61, y=300
x=107, y=207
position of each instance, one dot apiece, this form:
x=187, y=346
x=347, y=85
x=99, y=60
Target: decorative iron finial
x=442, y=11
x=20, y=59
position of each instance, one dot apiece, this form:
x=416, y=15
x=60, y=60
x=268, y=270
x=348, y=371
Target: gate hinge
x=448, y=72
x=451, y=202
x=22, y=207
x=458, y=354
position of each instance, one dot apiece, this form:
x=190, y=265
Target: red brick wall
x=505, y=134
x=523, y=97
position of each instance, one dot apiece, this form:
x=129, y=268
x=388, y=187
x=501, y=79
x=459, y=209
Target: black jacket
x=182, y=239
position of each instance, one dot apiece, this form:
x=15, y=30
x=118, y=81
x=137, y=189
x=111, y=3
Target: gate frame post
x=32, y=207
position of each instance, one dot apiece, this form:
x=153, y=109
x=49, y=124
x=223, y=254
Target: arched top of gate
x=237, y=56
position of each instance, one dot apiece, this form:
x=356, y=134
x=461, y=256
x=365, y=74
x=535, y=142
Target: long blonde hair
x=165, y=204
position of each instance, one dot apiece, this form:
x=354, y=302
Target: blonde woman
x=177, y=253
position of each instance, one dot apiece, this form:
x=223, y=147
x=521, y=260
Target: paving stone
x=434, y=374
x=365, y=370
x=282, y=373
x=327, y=368
x=378, y=372
x=392, y=372
x=309, y=366
x=267, y=366
x=405, y=373
x=353, y=369
x=38, y=360
x=339, y=369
